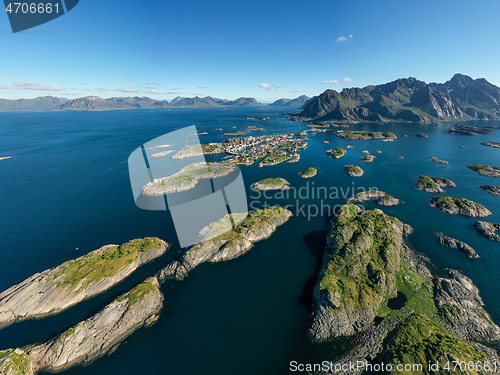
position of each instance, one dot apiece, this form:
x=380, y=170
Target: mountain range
x=291, y=103
x=95, y=103
x=408, y=99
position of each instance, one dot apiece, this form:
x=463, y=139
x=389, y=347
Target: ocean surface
x=67, y=192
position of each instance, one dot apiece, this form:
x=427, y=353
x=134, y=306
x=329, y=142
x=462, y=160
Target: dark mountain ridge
x=96, y=103
x=292, y=103
x=408, y=99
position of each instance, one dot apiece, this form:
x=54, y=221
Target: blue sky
x=228, y=49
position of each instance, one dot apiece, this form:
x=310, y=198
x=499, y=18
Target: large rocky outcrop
x=408, y=99
x=359, y=267
x=58, y=288
x=92, y=338
x=434, y=184
x=457, y=244
x=488, y=229
x=485, y=170
x=258, y=225
x=460, y=206
x=366, y=257
x=186, y=178
x=459, y=301
x=380, y=198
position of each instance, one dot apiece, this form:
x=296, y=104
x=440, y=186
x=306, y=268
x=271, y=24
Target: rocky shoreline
x=56, y=289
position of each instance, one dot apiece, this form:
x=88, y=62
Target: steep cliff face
x=58, y=288
x=409, y=99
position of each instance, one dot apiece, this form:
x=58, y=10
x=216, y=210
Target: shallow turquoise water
x=67, y=192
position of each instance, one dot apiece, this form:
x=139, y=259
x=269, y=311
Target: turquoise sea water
x=67, y=192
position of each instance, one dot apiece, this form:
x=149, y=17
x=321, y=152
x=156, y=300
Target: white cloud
x=341, y=39
x=347, y=79
x=101, y=89
x=71, y=93
x=201, y=87
x=265, y=86
x=28, y=85
x=333, y=82
x=293, y=91
x=13, y=75
x=127, y=79
x=152, y=92
x=84, y=84
x=350, y=36
x=127, y=90
x=175, y=92
x=177, y=88
x=151, y=83
x=279, y=86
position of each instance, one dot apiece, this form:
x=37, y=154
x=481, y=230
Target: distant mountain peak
x=409, y=99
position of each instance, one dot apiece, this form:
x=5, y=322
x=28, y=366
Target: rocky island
x=354, y=171
x=421, y=135
x=56, y=289
x=460, y=206
x=90, y=339
x=230, y=244
x=378, y=196
x=456, y=244
x=491, y=144
x=186, y=178
x=468, y=130
x=308, y=173
x=162, y=153
x=377, y=294
x=434, y=184
x=488, y=229
x=495, y=190
x=357, y=134
x=271, y=184
x=336, y=153
x=485, y=170
x=368, y=158
x=439, y=161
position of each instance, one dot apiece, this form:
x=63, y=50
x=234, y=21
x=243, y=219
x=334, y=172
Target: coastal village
x=273, y=149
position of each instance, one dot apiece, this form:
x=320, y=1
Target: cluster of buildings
x=247, y=149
